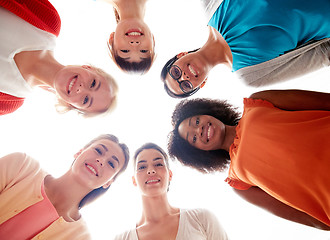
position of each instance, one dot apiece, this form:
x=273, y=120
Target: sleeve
x=237, y=184
x=211, y=225
x=14, y=167
x=290, y=65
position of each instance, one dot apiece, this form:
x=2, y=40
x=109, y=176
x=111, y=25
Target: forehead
x=149, y=155
x=184, y=127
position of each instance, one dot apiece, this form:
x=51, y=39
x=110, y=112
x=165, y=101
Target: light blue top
x=260, y=30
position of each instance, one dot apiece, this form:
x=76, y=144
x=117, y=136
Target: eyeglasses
x=176, y=73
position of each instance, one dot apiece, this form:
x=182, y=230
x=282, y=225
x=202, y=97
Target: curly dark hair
x=180, y=149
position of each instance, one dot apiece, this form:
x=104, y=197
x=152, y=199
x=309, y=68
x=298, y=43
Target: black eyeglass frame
x=177, y=79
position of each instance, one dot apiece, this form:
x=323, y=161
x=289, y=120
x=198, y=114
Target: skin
x=195, y=66
x=101, y=156
x=159, y=219
x=40, y=68
x=207, y=133
x=133, y=48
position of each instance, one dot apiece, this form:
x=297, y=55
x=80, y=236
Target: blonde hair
x=63, y=107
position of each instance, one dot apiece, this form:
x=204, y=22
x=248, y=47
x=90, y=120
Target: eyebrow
x=105, y=148
x=157, y=158
x=90, y=103
x=142, y=161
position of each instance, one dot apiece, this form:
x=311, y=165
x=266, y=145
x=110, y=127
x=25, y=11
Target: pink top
x=31, y=221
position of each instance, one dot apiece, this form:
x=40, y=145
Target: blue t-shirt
x=260, y=30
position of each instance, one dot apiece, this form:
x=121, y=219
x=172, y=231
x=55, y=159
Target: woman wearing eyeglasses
x=159, y=219
x=277, y=152
x=263, y=42
x=36, y=205
x=132, y=45
x=28, y=31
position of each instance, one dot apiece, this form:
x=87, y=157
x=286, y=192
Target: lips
x=208, y=132
x=134, y=33
x=152, y=181
x=192, y=70
x=71, y=83
x=91, y=169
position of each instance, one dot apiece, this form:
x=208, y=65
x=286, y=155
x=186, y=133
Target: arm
x=258, y=197
x=300, y=61
x=295, y=100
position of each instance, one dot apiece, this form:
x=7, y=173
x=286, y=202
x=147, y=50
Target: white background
x=142, y=115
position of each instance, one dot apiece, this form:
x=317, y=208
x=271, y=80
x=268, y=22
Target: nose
x=151, y=171
x=185, y=76
x=134, y=43
x=80, y=88
x=199, y=131
x=99, y=161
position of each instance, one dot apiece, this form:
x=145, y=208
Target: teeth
x=134, y=34
x=192, y=71
x=151, y=181
x=92, y=169
x=73, y=81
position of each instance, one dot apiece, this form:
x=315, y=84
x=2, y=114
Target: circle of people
x=267, y=150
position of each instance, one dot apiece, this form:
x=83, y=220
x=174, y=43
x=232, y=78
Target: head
x=86, y=89
x=98, y=164
x=151, y=170
x=200, y=156
x=132, y=46
x=184, y=74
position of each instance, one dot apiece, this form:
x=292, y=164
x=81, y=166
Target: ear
x=112, y=35
x=203, y=83
x=108, y=184
x=78, y=153
x=171, y=175
x=134, y=181
x=181, y=54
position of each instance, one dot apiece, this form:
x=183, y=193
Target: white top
x=194, y=224
x=16, y=36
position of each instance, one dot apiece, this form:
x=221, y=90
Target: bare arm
x=295, y=100
x=258, y=197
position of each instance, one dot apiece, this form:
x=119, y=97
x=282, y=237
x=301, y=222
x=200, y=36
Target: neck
x=65, y=194
x=230, y=134
x=38, y=68
x=130, y=8
x=155, y=209
x=216, y=50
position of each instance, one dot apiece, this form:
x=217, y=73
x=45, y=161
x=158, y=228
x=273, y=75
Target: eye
x=85, y=100
x=144, y=51
x=194, y=139
x=111, y=164
x=93, y=83
x=141, y=167
x=159, y=165
x=124, y=51
x=175, y=72
x=197, y=121
x=98, y=151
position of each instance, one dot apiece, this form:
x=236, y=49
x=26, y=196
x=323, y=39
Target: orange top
x=286, y=154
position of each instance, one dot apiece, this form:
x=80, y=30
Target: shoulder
x=199, y=214
x=18, y=162
x=127, y=235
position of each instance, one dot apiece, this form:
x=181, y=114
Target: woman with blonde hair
x=28, y=36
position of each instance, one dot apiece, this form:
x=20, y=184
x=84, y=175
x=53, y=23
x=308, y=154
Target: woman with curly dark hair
x=277, y=152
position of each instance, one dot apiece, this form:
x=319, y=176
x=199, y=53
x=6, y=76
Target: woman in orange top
x=278, y=152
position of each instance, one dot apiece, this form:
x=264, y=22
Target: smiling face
x=203, y=132
x=132, y=40
x=152, y=175
x=98, y=164
x=83, y=88
x=193, y=68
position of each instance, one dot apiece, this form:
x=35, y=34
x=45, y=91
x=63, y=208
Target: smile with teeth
x=93, y=170
x=72, y=83
x=152, y=181
x=208, y=132
x=134, y=34
x=192, y=70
